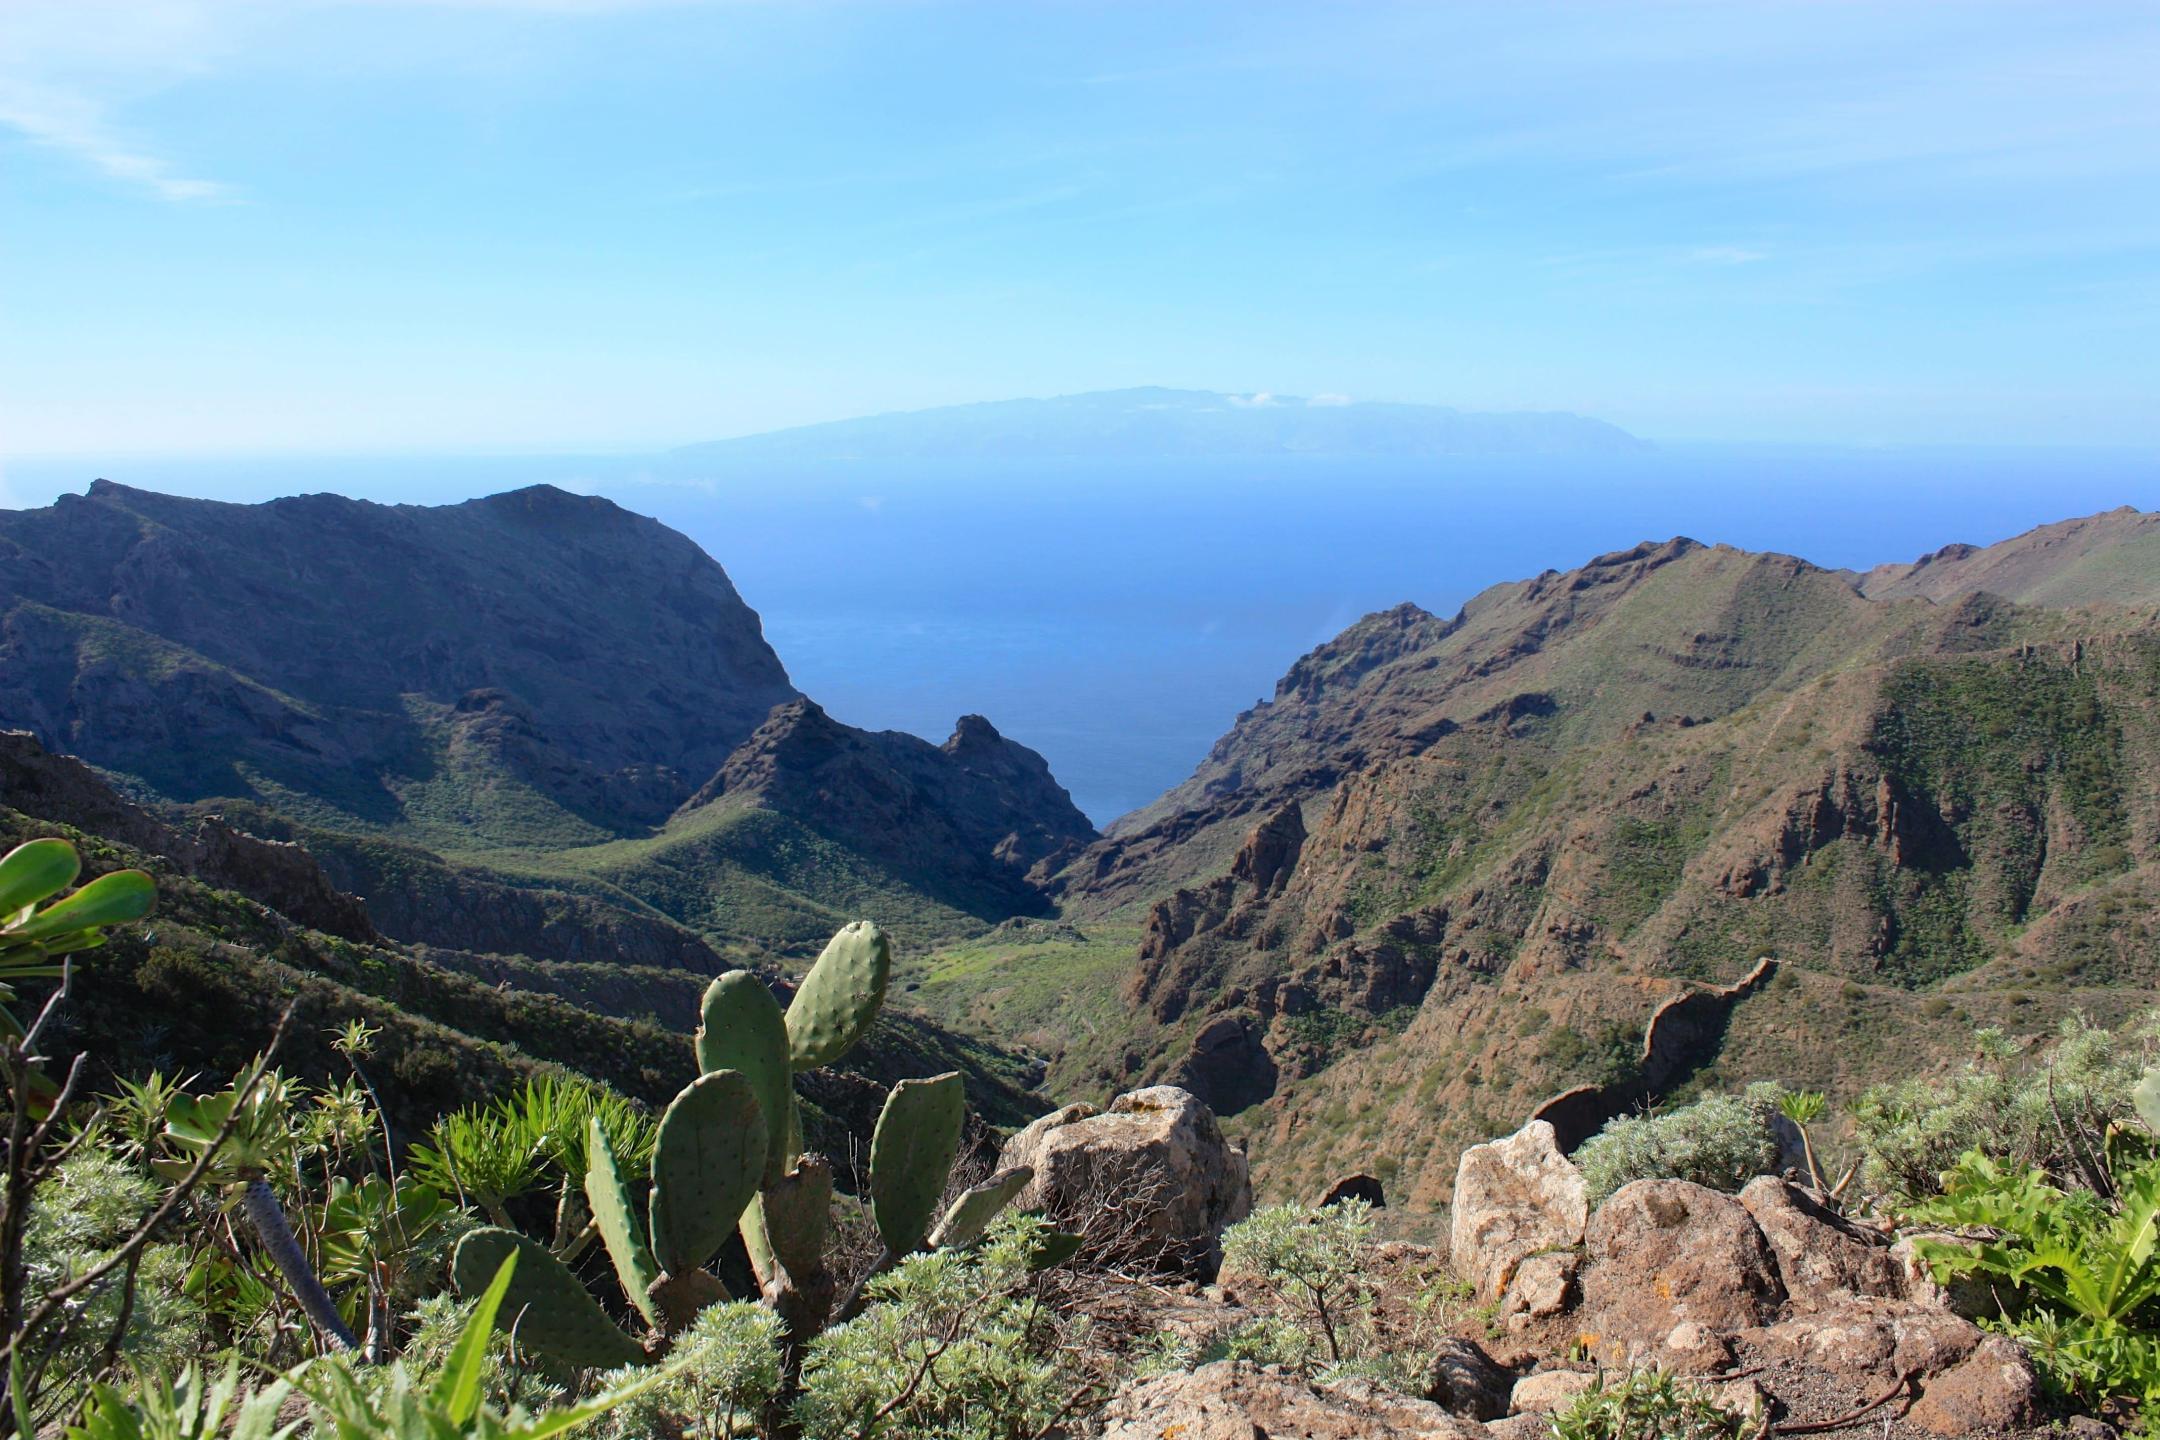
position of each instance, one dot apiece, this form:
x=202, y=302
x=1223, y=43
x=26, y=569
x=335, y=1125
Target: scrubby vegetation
x=1721, y=1141
x=1649, y=1405
x=163, y=1246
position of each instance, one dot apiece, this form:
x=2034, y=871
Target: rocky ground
x=1779, y=1306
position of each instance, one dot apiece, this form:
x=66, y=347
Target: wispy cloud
x=69, y=69
x=76, y=125
x=1725, y=255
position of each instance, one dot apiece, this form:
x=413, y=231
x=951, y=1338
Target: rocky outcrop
x=1669, y=1261
x=1823, y=1258
x=1683, y=1035
x=1464, y=1380
x=1229, y=1400
x=1154, y=1169
x=282, y=876
x=1513, y=1199
x=966, y=821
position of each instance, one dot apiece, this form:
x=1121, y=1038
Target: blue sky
x=302, y=225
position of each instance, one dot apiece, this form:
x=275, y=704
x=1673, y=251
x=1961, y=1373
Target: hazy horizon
x=621, y=225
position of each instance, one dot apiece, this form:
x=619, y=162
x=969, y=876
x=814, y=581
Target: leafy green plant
x=32, y=941
x=243, y=1134
x=2051, y=1106
x=189, y=1408
x=1649, y=1405
x=398, y=1406
x=2079, y=1270
x=1314, y=1264
x=727, y=1160
x=1720, y=1141
x=34, y=936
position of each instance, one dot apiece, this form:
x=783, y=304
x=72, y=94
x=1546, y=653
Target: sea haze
x=1117, y=615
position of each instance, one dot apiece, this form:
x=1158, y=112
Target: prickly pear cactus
x=972, y=1213
x=547, y=1309
x=618, y=1223
x=840, y=996
x=911, y=1155
x=707, y=1161
x=740, y=1028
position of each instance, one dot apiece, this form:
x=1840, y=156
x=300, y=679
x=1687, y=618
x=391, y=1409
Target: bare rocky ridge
x=1446, y=870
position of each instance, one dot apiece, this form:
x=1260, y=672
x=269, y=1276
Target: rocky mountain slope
x=1452, y=865
x=245, y=926
x=534, y=723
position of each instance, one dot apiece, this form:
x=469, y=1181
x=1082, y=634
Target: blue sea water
x=1117, y=618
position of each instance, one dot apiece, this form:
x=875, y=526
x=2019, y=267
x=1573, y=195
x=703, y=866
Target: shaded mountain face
x=1154, y=424
x=326, y=645
x=534, y=723
x=1448, y=869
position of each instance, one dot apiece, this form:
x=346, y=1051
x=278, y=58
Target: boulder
x=1513, y=1198
x=1153, y=1174
x=1467, y=1381
x=1665, y=1252
x=1230, y=1400
x=1870, y=1343
x=1544, y=1286
x=1822, y=1258
x=1969, y=1295
x=1549, y=1390
x=1992, y=1390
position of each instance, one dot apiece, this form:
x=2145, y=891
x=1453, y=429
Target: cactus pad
x=972, y=1213
x=707, y=1162
x=840, y=996
x=618, y=1223
x=911, y=1156
x=546, y=1309
x=740, y=1028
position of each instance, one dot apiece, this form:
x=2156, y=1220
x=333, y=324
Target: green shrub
x=2051, y=1109
x=955, y=1346
x=728, y=1370
x=2077, y=1270
x=1649, y=1405
x=1721, y=1141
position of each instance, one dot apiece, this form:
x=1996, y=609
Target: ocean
x=1118, y=617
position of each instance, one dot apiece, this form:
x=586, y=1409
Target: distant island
x=1153, y=423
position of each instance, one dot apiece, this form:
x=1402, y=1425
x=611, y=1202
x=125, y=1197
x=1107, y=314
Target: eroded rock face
x=1822, y=1257
x=1229, y=1400
x=1157, y=1150
x=1513, y=1198
x=1665, y=1252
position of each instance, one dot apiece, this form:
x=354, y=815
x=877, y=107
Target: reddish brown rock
x=1822, y=1258
x=1664, y=1252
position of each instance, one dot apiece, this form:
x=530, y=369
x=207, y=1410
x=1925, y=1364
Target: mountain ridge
x=1595, y=787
